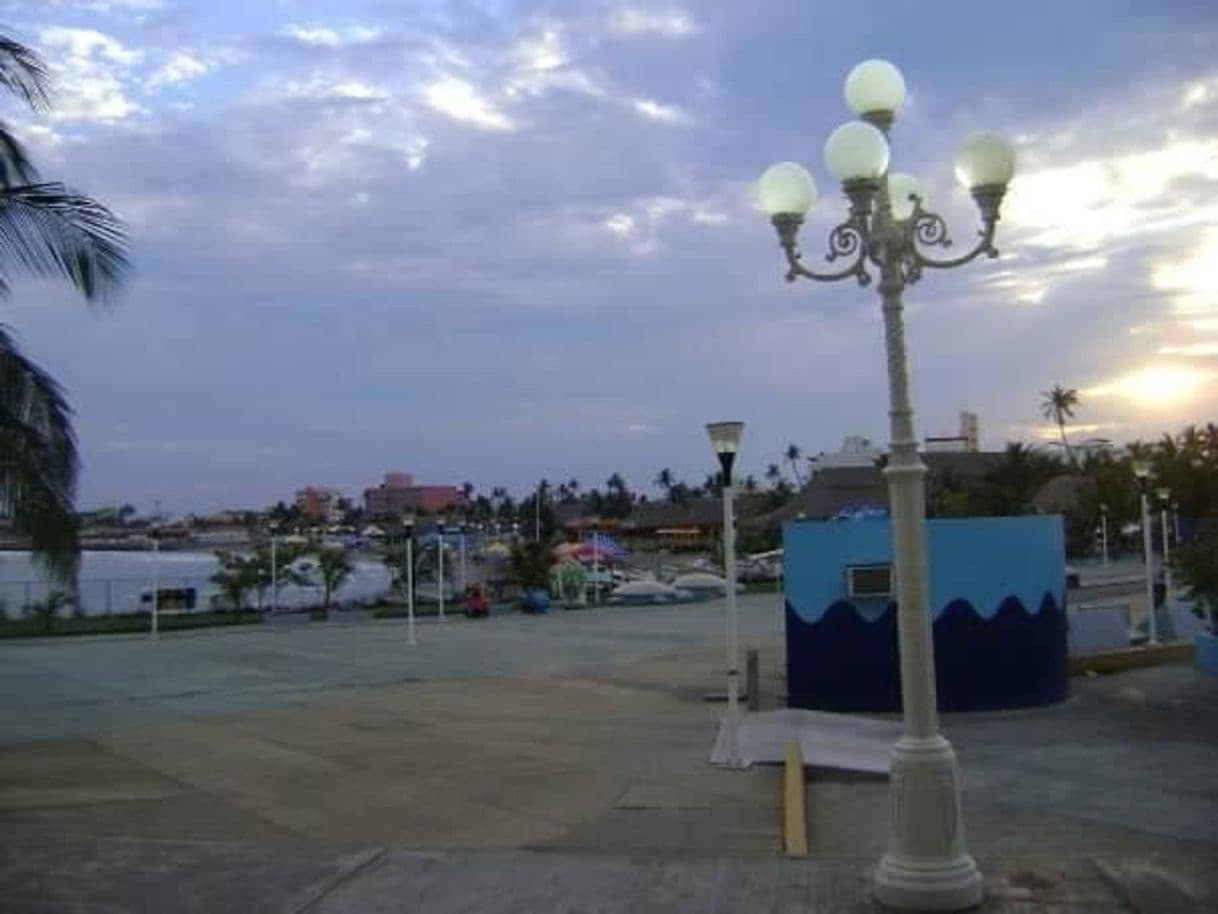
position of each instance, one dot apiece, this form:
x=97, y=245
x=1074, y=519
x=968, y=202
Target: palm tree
x=773, y=474
x=333, y=567
x=1059, y=405
x=793, y=455
x=664, y=480
x=46, y=230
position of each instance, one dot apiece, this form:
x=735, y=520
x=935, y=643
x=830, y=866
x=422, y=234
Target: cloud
x=92, y=71
x=463, y=102
x=324, y=37
x=181, y=67
x=1191, y=279
x=658, y=111
x=671, y=23
x=541, y=61
x=109, y=7
x=1157, y=386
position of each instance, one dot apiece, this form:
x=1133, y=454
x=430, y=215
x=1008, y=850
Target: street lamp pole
x=1141, y=473
x=440, y=566
x=541, y=487
x=926, y=867
x=725, y=438
x=1104, y=532
x=156, y=573
x=274, y=568
x=1164, y=501
x=408, y=525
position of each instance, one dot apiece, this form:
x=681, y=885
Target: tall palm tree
x=46, y=230
x=1059, y=405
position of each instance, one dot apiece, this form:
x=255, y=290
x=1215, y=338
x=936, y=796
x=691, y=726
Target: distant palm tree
x=773, y=474
x=1059, y=405
x=333, y=567
x=793, y=455
x=46, y=230
x=664, y=480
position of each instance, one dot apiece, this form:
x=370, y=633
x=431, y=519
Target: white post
x=1149, y=555
x=596, y=567
x=1104, y=536
x=410, y=591
x=440, y=566
x=274, y=575
x=156, y=583
x=927, y=866
x=729, y=566
x=1167, y=582
x=461, y=556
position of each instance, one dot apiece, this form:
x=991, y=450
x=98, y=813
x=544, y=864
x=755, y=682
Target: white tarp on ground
x=841, y=741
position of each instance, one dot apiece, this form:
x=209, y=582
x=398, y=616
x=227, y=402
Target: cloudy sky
x=495, y=240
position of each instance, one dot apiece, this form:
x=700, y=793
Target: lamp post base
x=927, y=867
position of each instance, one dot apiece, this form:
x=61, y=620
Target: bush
x=1197, y=565
x=531, y=563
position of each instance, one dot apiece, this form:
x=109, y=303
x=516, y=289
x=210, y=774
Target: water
x=111, y=582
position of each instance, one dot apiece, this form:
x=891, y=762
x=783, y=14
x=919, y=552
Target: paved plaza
x=551, y=763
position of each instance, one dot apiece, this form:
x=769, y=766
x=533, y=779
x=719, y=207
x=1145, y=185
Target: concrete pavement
x=313, y=770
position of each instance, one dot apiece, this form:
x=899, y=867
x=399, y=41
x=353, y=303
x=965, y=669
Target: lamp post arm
x=846, y=240
x=985, y=245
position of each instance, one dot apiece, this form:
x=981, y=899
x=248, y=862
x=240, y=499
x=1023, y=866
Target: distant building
x=841, y=488
x=966, y=441
x=856, y=451
x=399, y=494
x=317, y=502
x=694, y=524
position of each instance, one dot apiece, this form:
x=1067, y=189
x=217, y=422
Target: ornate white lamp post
x=927, y=866
x=1141, y=473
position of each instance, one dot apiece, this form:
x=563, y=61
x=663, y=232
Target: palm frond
x=47, y=230
x=24, y=73
x=38, y=461
x=15, y=165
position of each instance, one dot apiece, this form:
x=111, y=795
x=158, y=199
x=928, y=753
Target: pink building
x=399, y=495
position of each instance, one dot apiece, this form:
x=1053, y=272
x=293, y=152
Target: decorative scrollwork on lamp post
x=889, y=230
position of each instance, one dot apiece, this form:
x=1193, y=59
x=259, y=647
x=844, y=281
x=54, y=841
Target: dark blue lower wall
x=1015, y=659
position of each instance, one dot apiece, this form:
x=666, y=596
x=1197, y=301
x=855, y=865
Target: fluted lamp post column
x=725, y=438
x=926, y=867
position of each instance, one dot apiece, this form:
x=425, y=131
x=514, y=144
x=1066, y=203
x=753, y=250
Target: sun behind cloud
x=1156, y=386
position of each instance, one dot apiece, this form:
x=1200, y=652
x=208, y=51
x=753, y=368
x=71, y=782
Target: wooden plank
x=1134, y=657
x=795, y=826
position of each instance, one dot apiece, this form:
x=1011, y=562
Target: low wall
x=997, y=598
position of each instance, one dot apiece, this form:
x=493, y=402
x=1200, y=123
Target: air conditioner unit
x=869, y=580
